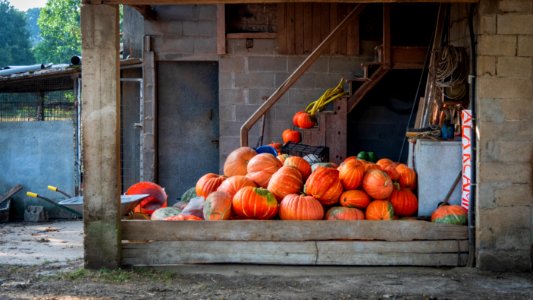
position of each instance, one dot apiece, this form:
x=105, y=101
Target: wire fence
x=42, y=106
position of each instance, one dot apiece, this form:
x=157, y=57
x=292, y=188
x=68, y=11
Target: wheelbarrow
x=75, y=204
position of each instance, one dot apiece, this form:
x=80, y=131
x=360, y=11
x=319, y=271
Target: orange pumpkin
x=344, y=213
x=261, y=167
x=300, y=207
x=407, y=176
x=351, y=174
x=289, y=135
x=182, y=217
x=391, y=171
x=371, y=166
x=379, y=210
x=157, y=199
x=255, y=203
x=404, y=202
x=237, y=161
x=355, y=198
x=234, y=184
x=324, y=185
x=217, y=206
x=450, y=214
x=303, y=120
x=286, y=180
x=377, y=184
x=384, y=162
x=208, y=184
x=299, y=163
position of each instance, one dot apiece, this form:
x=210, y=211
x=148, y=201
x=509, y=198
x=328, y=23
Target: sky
x=24, y=5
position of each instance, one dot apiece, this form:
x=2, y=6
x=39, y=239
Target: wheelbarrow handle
x=55, y=189
x=35, y=195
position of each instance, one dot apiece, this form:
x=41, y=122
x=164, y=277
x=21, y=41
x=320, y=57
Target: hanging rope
x=451, y=72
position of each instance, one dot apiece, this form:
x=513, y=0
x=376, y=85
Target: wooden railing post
x=298, y=72
x=101, y=135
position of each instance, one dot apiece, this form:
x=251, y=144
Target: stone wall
x=505, y=120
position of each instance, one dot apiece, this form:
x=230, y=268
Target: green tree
x=14, y=41
x=59, y=22
x=32, y=16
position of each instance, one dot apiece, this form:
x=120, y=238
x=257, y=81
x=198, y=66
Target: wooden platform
x=376, y=243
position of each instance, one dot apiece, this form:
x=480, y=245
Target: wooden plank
x=299, y=29
x=316, y=33
x=221, y=29
x=386, y=37
x=202, y=252
x=282, y=29
x=148, y=114
x=252, y=35
x=167, y=2
x=289, y=23
x=342, y=41
x=324, y=20
x=243, y=230
x=333, y=20
x=298, y=72
x=352, y=47
x=11, y=192
x=101, y=134
x=417, y=253
x=308, y=28
x=337, y=131
x=408, y=57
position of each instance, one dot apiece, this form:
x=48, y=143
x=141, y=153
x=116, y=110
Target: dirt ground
x=44, y=261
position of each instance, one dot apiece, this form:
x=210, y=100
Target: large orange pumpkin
x=377, y=184
x=157, y=198
x=303, y=119
x=379, y=210
x=450, y=214
x=384, y=162
x=289, y=135
x=208, y=184
x=355, y=198
x=299, y=163
x=300, y=207
x=344, y=213
x=351, y=174
x=255, y=203
x=233, y=184
x=391, y=171
x=261, y=168
x=404, y=202
x=286, y=180
x=407, y=176
x=237, y=161
x=324, y=185
x=217, y=206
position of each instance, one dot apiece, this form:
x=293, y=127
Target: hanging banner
x=466, y=130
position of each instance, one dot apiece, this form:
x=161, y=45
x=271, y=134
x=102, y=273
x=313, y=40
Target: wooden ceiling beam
x=174, y=2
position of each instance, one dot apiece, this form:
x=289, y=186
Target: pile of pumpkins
x=262, y=186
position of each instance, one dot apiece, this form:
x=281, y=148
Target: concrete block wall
x=504, y=213
x=248, y=76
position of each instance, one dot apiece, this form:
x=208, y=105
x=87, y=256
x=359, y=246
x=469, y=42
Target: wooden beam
x=149, y=114
x=300, y=70
x=146, y=11
x=252, y=35
x=408, y=57
x=290, y=231
x=366, y=87
x=175, y=2
x=101, y=135
x=221, y=29
x=386, y=63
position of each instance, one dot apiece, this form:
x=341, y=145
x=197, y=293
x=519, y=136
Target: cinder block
x=285, y=112
x=258, y=96
x=505, y=131
x=226, y=80
x=227, y=112
x=344, y=65
x=207, y=12
x=204, y=46
x=504, y=228
x=320, y=65
x=243, y=112
x=280, y=77
x=520, y=109
x=267, y=64
x=232, y=64
x=231, y=96
x=525, y=46
x=173, y=44
x=486, y=65
x=497, y=45
x=254, y=80
x=266, y=47
x=505, y=88
x=306, y=80
x=515, y=24
x=515, y=151
x=485, y=196
x=494, y=172
x=163, y=28
x=513, y=195
x=488, y=24
x=517, y=67
x=196, y=29
x=515, y=5
x=302, y=97
x=489, y=110
x=176, y=12
x=504, y=261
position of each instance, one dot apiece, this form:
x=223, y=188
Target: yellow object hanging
x=329, y=96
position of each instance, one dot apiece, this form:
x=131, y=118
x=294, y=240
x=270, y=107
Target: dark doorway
x=188, y=124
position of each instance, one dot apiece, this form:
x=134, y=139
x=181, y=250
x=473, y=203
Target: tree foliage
x=59, y=22
x=14, y=41
x=32, y=17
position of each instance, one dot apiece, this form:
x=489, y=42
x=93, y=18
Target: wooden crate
x=391, y=243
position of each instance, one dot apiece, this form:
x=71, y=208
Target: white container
x=437, y=164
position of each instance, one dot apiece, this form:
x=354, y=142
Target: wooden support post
x=101, y=135
x=221, y=29
x=149, y=115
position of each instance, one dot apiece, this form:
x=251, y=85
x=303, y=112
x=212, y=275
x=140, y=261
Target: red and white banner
x=466, y=130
